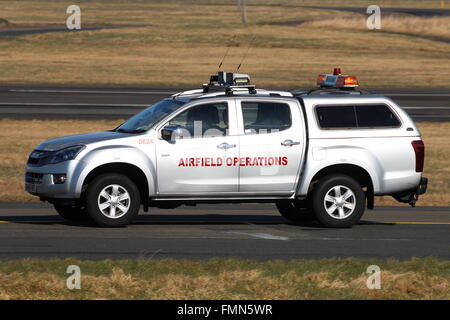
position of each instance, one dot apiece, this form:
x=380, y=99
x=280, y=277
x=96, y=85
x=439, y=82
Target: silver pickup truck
x=318, y=154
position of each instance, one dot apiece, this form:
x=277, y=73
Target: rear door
x=272, y=145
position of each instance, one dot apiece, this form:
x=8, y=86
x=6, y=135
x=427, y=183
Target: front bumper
x=44, y=186
x=411, y=196
x=39, y=180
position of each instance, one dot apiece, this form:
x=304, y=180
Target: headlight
x=41, y=158
x=69, y=153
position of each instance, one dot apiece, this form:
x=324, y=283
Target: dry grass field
x=225, y=279
x=403, y=24
x=182, y=43
x=18, y=138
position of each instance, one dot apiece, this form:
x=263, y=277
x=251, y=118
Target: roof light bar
x=337, y=80
x=347, y=81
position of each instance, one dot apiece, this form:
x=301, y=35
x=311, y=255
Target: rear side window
x=376, y=116
x=356, y=116
x=265, y=117
x=336, y=116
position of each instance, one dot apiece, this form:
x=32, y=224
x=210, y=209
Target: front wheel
x=112, y=200
x=338, y=201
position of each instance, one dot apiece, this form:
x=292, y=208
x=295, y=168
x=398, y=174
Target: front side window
x=206, y=120
x=356, y=116
x=265, y=117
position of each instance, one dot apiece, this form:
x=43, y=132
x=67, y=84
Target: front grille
x=33, y=178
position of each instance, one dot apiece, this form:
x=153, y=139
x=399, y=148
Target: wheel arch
x=129, y=170
x=358, y=173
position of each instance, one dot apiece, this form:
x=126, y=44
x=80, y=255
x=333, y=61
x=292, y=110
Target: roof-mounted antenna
x=245, y=55
x=226, y=53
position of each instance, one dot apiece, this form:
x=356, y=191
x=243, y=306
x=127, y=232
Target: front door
x=196, y=162
x=272, y=144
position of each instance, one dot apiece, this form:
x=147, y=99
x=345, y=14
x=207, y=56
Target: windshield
x=147, y=118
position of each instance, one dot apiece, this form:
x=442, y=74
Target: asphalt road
x=14, y=31
x=96, y=103
x=33, y=230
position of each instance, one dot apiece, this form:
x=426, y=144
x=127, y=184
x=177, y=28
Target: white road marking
x=417, y=94
x=89, y=91
x=426, y=108
x=260, y=235
x=419, y=223
x=32, y=104
x=112, y=91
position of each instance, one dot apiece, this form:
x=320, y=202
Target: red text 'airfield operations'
x=233, y=161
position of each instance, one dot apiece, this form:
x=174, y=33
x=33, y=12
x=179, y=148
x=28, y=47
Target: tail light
x=419, y=150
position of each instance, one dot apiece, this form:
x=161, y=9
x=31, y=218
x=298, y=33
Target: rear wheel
x=73, y=213
x=294, y=211
x=112, y=200
x=338, y=201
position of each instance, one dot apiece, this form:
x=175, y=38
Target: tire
x=118, y=210
x=329, y=193
x=294, y=212
x=75, y=213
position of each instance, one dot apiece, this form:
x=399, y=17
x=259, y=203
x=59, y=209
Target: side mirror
x=170, y=133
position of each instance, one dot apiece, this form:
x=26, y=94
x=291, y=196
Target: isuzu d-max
x=320, y=154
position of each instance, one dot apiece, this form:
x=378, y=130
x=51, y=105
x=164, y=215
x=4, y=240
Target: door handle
x=226, y=146
x=290, y=143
